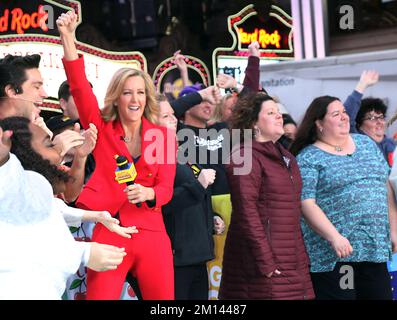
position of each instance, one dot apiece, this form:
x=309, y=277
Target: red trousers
x=149, y=259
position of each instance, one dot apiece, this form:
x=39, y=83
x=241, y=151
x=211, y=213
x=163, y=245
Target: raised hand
x=225, y=81
x=39, y=121
x=211, y=94
x=90, y=137
x=67, y=140
x=179, y=60
x=67, y=23
x=368, y=78
x=253, y=49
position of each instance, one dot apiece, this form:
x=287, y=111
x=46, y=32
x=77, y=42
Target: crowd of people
x=317, y=197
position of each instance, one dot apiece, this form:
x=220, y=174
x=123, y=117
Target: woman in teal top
x=345, y=204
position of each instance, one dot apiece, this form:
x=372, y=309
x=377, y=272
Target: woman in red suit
x=125, y=128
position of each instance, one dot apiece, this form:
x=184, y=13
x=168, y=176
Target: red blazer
x=102, y=192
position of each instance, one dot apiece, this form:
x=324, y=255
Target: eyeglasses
x=375, y=118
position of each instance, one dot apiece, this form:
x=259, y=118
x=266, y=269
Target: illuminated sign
x=273, y=32
x=17, y=20
x=261, y=36
x=167, y=74
x=23, y=32
x=38, y=17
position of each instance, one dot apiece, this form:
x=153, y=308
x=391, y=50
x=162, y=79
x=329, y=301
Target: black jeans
x=353, y=281
x=191, y=282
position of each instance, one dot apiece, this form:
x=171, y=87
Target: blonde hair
x=115, y=89
x=160, y=97
x=217, y=117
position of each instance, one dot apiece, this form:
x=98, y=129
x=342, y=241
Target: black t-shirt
x=208, y=147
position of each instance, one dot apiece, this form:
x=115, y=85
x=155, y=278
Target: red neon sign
x=18, y=21
x=261, y=36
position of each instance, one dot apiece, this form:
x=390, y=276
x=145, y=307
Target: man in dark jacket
x=188, y=218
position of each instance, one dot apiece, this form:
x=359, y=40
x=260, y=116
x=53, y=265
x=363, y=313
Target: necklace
x=129, y=139
x=336, y=148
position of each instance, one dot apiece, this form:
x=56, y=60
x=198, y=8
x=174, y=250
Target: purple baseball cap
x=189, y=89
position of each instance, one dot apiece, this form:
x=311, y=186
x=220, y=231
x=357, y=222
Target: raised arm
x=179, y=60
x=251, y=79
x=352, y=104
x=77, y=171
x=226, y=81
x=183, y=104
x=80, y=88
x=67, y=24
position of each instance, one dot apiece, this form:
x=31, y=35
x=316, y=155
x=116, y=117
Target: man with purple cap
x=203, y=144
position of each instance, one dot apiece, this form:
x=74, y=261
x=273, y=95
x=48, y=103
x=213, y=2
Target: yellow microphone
x=125, y=172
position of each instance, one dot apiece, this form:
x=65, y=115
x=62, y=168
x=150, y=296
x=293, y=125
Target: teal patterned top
x=352, y=192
